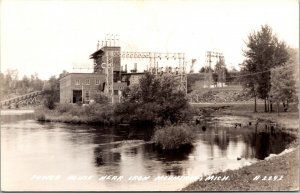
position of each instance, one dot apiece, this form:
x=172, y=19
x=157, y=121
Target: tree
x=23, y=86
x=284, y=80
x=264, y=51
x=63, y=74
x=36, y=84
x=206, y=69
x=220, y=71
x=154, y=100
x=10, y=83
x=51, y=92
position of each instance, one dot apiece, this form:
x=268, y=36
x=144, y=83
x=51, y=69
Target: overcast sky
x=48, y=37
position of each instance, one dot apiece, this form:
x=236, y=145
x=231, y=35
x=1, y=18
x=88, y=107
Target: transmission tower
x=105, y=61
x=208, y=79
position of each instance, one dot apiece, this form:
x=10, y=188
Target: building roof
x=103, y=49
x=82, y=73
x=93, y=55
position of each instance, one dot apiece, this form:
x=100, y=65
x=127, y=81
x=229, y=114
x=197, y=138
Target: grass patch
x=173, y=136
x=75, y=114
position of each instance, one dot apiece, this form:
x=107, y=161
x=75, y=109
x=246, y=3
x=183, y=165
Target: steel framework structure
x=208, y=70
x=26, y=99
x=107, y=64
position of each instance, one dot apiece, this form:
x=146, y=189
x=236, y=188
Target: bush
x=63, y=108
x=173, y=136
x=100, y=98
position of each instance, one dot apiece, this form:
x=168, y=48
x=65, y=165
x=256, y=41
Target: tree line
x=11, y=86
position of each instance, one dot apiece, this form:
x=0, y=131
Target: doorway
x=77, y=96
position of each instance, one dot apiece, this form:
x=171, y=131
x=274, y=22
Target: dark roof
x=105, y=48
x=93, y=55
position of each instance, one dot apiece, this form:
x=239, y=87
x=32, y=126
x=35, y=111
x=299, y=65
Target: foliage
x=283, y=80
x=192, y=79
x=264, y=51
x=283, y=86
x=11, y=86
x=220, y=70
x=206, y=69
x=173, y=136
x=51, y=93
x=73, y=113
x=100, y=98
x=155, y=99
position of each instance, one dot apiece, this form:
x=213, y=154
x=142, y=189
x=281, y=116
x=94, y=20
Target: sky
x=48, y=36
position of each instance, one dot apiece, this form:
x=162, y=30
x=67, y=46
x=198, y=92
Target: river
x=55, y=156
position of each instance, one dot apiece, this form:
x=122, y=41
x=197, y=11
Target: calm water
x=30, y=149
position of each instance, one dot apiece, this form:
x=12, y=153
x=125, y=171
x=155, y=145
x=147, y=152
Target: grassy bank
x=285, y=164
x=75, y=114
x=288, y=119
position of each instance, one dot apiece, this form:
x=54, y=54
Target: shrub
x=100, y=98
x=63, y=108
x=173, y=136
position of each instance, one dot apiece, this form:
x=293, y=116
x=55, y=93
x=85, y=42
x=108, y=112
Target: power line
x=260, y=72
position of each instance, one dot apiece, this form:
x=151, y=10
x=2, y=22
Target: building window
x=77, y=82
x=97, y=82
x=87, y=95
x=87, y=82
x=116, y=92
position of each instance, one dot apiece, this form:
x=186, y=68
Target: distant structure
x=219, y=70
x=110, y=77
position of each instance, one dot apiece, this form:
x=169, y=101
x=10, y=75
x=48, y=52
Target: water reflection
x=29, y=147
x=166, y=156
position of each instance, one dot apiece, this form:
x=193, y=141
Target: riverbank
x=75, y=114
x=288, y=119
x=285, y=164
x=285, y=167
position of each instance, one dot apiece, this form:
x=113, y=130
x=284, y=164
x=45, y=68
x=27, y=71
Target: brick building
x=80, y=87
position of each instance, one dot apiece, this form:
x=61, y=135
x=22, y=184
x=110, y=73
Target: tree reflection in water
x=131, y=143
x=266, y=141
